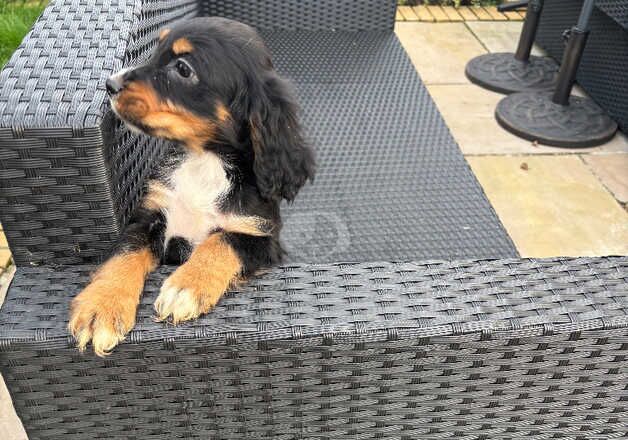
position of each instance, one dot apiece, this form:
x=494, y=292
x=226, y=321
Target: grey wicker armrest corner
x=69, y=173
x=467, y=350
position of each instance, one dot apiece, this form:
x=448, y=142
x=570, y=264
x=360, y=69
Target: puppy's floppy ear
x=283, y=161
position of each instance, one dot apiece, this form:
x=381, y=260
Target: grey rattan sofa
x=403, y=312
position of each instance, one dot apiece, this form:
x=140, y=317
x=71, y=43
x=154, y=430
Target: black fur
x=261, y=142
x=178, y=251
x=282, y=160
x=146, y=229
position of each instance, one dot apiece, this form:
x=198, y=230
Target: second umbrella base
x=503, y=73
x=534, y=116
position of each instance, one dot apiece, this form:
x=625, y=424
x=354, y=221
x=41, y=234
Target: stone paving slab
x=5, y=253
x=500, y=36
x=469, y=112
x=439, y=51
x=553, y=205
x=10, y=425
x=612, y=170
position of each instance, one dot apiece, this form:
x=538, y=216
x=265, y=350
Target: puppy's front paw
x=103, y=314
x=187, y=294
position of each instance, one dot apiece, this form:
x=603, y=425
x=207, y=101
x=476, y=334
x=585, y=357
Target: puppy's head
x=211, y=83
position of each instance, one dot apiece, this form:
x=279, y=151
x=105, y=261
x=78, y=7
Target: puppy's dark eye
x=183, y=68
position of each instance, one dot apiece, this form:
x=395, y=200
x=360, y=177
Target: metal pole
x=585, y=15
x=511, y=6
x=526, y=40
x=573, y=55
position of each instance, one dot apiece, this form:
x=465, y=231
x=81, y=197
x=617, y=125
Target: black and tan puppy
x=212, y=205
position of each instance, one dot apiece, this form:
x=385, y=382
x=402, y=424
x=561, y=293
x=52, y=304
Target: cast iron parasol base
x=533, y=116
x=503, y=73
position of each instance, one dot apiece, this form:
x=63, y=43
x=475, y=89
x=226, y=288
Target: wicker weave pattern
x=602, y=71
x=131, y=155
x=616, y=9
x=391, y=182
x=307, y=14
x=467, y=349
x=324, y=57
x=65, y=193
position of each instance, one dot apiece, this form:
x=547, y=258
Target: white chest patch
x=194, y=192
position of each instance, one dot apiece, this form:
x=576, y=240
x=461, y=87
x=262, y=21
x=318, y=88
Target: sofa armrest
x=70, y=174
x=357, y=300
x=56, y=77
x=464, y=349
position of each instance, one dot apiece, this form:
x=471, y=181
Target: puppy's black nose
x=114, y=84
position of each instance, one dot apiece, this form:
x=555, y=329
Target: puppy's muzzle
x=116, y=82
x=114, y=85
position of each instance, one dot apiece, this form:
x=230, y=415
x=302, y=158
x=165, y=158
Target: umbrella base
x=503, y=73
x=534, y=116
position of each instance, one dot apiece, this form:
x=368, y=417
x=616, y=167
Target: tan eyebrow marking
x=164, y=33
x=222, y=113
x=181, y=46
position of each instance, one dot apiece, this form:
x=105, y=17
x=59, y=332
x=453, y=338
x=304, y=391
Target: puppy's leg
x=104, y=312
x=196, y=286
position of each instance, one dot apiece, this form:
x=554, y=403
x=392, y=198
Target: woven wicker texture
x=616, y=9
x=391, y=182
x=604, y=64
x=69, y=174
x=307, y=14
x=467, y=350
x=325, y=57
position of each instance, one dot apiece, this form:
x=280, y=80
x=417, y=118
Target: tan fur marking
x=256, y=134
x=156, y=197
x=163, y=34
x=182, y=46
x=196, y=286
x=104, y=312
x=255, y=226
x=222, y=113
x=139, y=102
